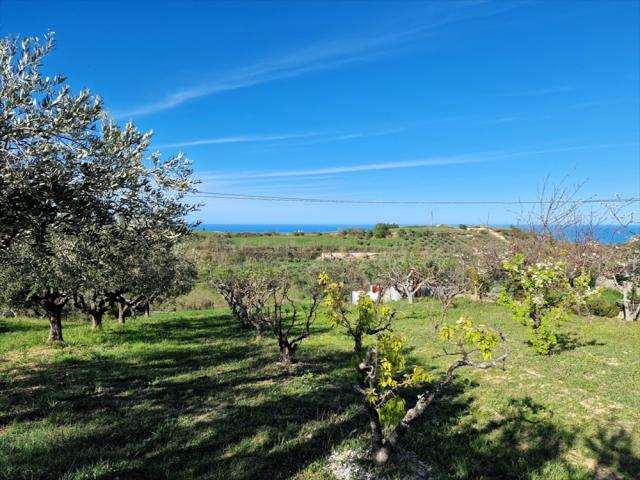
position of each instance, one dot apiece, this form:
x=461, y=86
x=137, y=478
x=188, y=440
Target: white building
x=389, y=295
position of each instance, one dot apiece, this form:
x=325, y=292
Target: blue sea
x=603, y=233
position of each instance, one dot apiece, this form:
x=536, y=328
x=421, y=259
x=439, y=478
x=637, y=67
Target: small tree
x=541, y=297
x=229, y=283
x=289, y=320
x=247, y=291
x=484, y=267
x=381, y=366
x=402, y=272
x=383, y=230
x=623, y=268
x=157, y=271
x=446, y=278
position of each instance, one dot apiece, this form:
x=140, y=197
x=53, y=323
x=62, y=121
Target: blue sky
x=472, y=100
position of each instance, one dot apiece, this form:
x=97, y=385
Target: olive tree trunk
x=55, y=326
x=123, y=310
x=96, y=319
x=53, y=304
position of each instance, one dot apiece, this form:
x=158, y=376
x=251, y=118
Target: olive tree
x=45, y=132
x=158, y=269
x=382, y=373
x=73, y=183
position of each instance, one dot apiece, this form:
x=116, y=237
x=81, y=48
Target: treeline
x=89, y=219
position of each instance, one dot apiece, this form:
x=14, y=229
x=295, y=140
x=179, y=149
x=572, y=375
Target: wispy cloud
x=318, y=57
x=237, y=139
x=406, y=164
x=539, y=92
x=500, y=120
x=311, y=59
x=606, y=102
x=367, y=167
x=315, y=137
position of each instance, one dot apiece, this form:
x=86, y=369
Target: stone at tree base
x=356, y=464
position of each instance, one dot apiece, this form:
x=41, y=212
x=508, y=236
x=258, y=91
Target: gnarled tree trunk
x=631, y=309
x=96, y=319
x=287, y=352
x=53, y=303
x=123, y=311
x=380, y=450
x=55, y=326
x=259, y=333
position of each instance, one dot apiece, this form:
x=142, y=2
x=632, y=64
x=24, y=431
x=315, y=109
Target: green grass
x=191, y=395
x=435, y=238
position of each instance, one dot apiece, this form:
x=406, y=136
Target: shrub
x=605, y=303
x=383, y=230
x=540, y=296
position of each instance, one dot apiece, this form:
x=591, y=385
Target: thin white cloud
x=318, y=137
x=500, y=120
x=312, y=59
x=606, y=102
x=237, y=139
x=542, y=91
x=368, y=167
x=405, y=164
x=322, y=56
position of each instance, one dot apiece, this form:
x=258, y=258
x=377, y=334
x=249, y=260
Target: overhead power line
x=269, y=198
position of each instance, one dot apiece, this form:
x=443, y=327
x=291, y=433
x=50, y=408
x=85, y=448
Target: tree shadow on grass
x=182, y=329
x=199, y=328
x=614, y=454
x=522, y=441
x=18, y=326
x=570, y=341
x=217, y=410
x=220, y=408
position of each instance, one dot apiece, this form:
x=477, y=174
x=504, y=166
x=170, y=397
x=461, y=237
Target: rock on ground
x=354, y=464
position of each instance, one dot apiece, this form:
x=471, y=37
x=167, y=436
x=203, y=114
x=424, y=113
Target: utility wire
x=268, y=198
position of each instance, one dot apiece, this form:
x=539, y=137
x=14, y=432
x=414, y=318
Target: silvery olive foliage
x=79, y=194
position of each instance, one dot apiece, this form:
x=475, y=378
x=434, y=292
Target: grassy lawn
x=191, y=395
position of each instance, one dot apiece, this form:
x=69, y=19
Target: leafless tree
x=402, y=272
x=289, y=320
x=247, y=291
x=446, y=278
